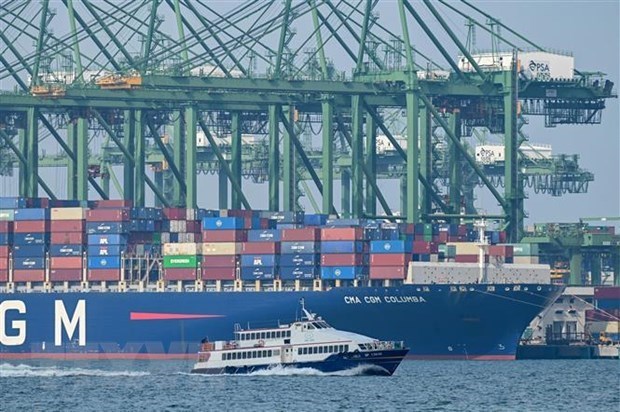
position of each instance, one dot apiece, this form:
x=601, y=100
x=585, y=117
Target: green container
x=525, y=249
x=428, y=229
x=157, y=237
x=7, y=214
x=181, y=261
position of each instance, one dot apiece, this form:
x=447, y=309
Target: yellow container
x=187, y=248
x=68, y=213
x=221, y=248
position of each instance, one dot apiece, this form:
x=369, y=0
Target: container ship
x=105, y=280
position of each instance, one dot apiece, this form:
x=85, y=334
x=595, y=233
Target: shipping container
x=12, y=202
x=500, y=250
x=465, y=248
x=259, y=260
x=525, y=249
x=608, y=292
x=107, y=215
x=68, y=213
x=301, y=235
x=257, y=273
x=339, y=234
x=30, y=238
x=224, y=236
x=31, y=226
x=20, y=251
x=174, y=274
x=4, y=276
x=66, y=250
x=29, y=263
x=6, y=226
x=31, y=214
x=345, y=273
x=66, y=275
x=315, y=220
x=7, y=215
x=6, y=239
x=29, y=275
x=181, y=249
x=4, y=263
x=343, y=259
x=98, y=275
x=108, y=262
x=388, y=272
x=221, y=248
x=60, y=238
x=67, y=225
x=389, y=259
x=218, y=273
x=106, y=227
x=222, y=223
x=342, y=247
x=107, y=239
x=299, y=247
x=4, y=251
x=107, y=250
x=273, y=235
x=388, y=246
x=424, y=247
x=181, y=261
x=260, y=248
x=298, y=272
x=66, y=262
x=112, y=204
x=305, y=259
x=219, y=261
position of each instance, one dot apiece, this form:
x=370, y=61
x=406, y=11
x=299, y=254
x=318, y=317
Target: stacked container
x=343, y=253
x=108, y=236
x=259, y=255
x=389, y=259
x=181, y=260
x=67, y=244
x=299, y=259
x=6, y=236
x=30, y=243
x=222, y=238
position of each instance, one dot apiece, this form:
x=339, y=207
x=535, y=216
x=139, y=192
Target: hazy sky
x=588, y=29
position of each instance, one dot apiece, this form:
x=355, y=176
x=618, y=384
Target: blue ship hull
x=434, y=321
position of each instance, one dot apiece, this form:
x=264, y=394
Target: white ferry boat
x=309, y=342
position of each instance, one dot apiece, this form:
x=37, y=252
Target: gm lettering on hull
x=359, y=300
x=13, y=333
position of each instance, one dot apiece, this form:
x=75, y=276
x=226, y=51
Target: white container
x=190, y=248
x=221, y=248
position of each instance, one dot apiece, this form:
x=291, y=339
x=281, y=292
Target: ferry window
x=265, y=354
x=304, y=351
x=299, y=351
x=287, y=341
x=252, y=336
x=244, y=355
x=320, y=349
x=346, y=348
x=288, y=333
x=262, y=335
x=331, y=349
x=234, y=355
x=310, y=327
x=276, y=352
x=253, y=354
x=269, y=353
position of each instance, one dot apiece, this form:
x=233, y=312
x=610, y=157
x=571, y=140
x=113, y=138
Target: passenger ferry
x=309, y=342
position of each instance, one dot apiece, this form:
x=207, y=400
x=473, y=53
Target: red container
x=407, y=228
x=30, y=226
x=469, y=259
x=29, y=275
x=67, y=225
x=224, y=236
x=180, y=274
x=389, y=259
x=421, y=247
x=343, y=233
x=443, y=237
x=607, y=315
x=219, y=273
x=66, y=262
x=174, y=213
x=97, y=275
x=342, y=259
x=219, y=261
x=501, y=250
x=65, y=275
x=5, y=226
x=4, y=251
x=388, y=272
x=260, y=248
x=107, y=215
x=300, y=235
x=4, y=263
x=67, y=238
x=4, y=276
x=193, y=226
x=610, y=292
x=112, y=203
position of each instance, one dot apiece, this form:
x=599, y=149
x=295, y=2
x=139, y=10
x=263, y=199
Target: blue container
x=32, y=214
x=6, y=239
x=66, y=250
x=258, y=260
x=105, y=250
x=346, y=222
x=223, y=223
x=12, y=202
x=390, y=234
x=106, y=227
x=298, y=272
x=421, y=257
x=258, y=273
x=22, y=251
x=29, y=263
x=315, y=220
x=342, y=272
x=299, y=260
x=283, y=217
x=107, y=262
x=342, y=246
x=272, y=235
x=36, y=238
x=388, y=246
x=110, y=239
x=299, y=247
x=203, y=213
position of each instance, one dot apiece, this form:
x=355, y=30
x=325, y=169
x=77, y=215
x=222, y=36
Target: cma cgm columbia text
x=476, y=321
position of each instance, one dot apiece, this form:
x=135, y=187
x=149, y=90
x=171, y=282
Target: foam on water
x=26, y=371
x=288, y=371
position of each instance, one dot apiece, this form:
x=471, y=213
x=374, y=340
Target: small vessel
x=309, y=342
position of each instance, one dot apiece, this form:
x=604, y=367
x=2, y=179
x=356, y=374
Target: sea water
x=576, y=385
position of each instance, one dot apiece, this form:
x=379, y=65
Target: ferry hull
x=435, y=321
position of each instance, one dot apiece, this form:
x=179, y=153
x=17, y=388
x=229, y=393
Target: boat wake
x=27, y=371
x=360, y=370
